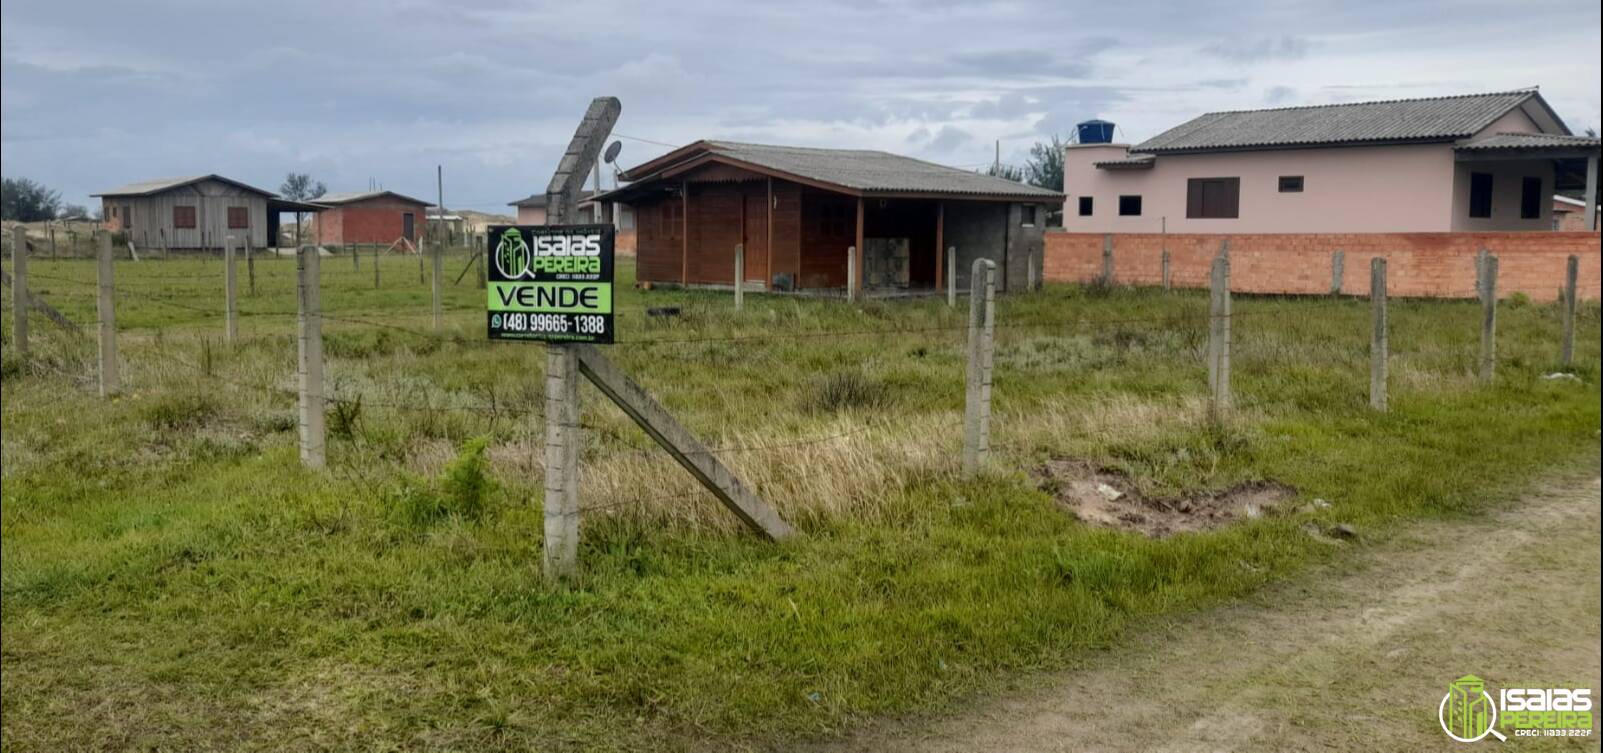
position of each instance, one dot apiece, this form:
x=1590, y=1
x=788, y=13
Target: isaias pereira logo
x=512, y=254
x=1469, y=713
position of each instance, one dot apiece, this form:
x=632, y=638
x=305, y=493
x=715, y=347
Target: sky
x=99, y=94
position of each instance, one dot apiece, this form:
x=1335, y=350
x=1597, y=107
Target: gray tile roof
x=1532, y=141
x=875, y=172
x=538, y=199
x=158, y=185
x=1393, y=121
x=346, y=197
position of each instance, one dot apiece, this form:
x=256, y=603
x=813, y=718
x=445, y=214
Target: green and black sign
x=551, y=283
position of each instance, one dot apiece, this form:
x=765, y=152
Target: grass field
x=172, y=578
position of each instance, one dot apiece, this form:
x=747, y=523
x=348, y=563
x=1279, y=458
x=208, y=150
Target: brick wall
x=1438, y=265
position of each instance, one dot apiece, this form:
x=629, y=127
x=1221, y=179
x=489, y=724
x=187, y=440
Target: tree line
x=24, y=200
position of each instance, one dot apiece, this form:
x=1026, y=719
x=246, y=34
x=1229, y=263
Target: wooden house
x=798, y=210
x=195, y=212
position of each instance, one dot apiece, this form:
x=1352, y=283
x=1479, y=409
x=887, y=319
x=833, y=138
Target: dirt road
x=1355, y=657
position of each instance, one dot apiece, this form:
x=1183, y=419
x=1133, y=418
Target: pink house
x=1471, y=163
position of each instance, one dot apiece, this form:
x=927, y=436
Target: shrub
x=845, y=390
x=180, y=411
x=464, y=485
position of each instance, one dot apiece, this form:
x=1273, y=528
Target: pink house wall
x=1371, y=189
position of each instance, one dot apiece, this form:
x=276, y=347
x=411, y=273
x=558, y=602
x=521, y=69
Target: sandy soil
x=1356, y=657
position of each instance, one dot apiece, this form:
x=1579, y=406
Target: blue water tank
x=1095, y=132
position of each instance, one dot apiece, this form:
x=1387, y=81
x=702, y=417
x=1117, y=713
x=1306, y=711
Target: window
x=1129, y=206
x=1531, y=199
x=1291, y=184
x=127, y=217
x=1213, y=198
x=1480, y=194
x=238, y=217
x=1028, y=215
x=1085, y=206
x=184, y=218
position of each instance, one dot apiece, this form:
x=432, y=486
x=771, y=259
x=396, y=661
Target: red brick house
x=369, y=217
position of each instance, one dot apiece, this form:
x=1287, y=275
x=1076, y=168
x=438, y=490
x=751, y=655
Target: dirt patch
x=1107, y=498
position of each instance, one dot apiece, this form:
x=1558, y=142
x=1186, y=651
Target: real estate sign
x=550, y=282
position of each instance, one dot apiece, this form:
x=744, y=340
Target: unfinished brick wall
x=1425, y=265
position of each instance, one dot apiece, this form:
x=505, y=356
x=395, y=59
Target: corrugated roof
x=1532, y=141
x=148, y=187
x=1391, y=121
x=874, y=171
x=346, y=197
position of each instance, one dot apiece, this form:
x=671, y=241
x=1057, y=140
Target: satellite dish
x=612, y=151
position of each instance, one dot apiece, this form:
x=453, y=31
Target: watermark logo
x=1469, y=713
x=512, y=254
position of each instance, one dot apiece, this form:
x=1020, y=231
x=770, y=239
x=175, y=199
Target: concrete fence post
x=851, y=273
x=418, y=247
x=1338, y=270
x=375, y=266
x=560, y=555
x=230, y=293
x=1219, y=335
x=436, y=284
x=19, y=288
x=1031, y=282
x=106, y=308
x=1480, y=272
x=310, y=340
x=1165, y=262
x=951, y=276
x=356, y=256
x=1107, y=259
x=1572, y=270
x=1488, y=319
x=740, y=276
x=1379, y=342
x=981, y=345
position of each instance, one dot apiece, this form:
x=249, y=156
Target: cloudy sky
x=97, y=94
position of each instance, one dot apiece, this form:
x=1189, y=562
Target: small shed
x=797, y=210
x=188, y=213
x=369, y=217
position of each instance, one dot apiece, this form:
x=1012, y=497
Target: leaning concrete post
x=1107, y=259
x=981, y=338
x=19, y=288
x=851, y=273
x=1379, y=343
x=1489, y=319
x=562, y=438
x=740, y=275
x=1572, y=270
x=1164, y=263
x=1338, y=270
x=1219, y=335
x=105, y=306
x=230, y=293
x=951, y=276
x=310, y=341
x=436, y=284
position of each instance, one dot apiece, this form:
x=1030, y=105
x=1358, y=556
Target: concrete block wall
x=1421, y=265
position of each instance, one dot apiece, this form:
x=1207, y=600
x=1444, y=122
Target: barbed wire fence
x=980, y=327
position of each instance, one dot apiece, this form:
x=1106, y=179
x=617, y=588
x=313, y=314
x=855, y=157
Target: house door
x=407, y=222
x=755, y=213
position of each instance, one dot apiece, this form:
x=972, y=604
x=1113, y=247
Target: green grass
x=173, y=578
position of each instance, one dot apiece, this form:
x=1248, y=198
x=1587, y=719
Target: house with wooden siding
x=797, y=210
x=370, y=217
x=194, y=212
